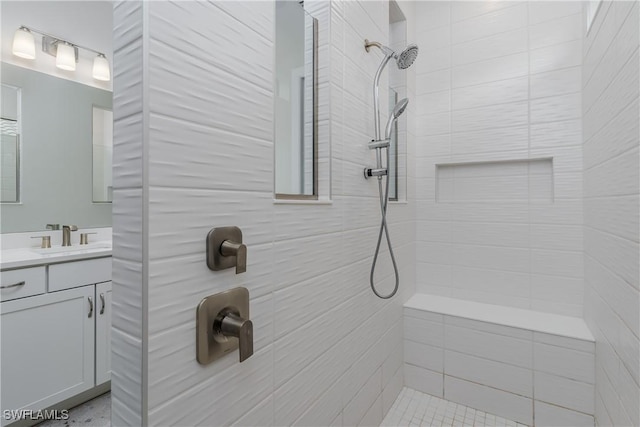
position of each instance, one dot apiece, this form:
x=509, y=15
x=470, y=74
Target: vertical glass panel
x=102, y=155
x=10, y=145
x=295, y=123
x=393, y=150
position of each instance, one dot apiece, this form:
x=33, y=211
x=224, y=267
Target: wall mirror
x=10, y=148
x=59, y=173
x=296, y=135
x=102, y=155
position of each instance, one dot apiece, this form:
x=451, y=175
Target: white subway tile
x=494, y=46
x=511, y=114
x=490, y=373
x=508, y=405
x=423, y=380
x=424, y=356
x=491, y=70
x=374, y=414
x=470, y=9
x=495, y=22
x=556, y=31
x=356, y=409
x=554, y=416
x=423, y=331
x=492, y=257
x=437, y=38
x=561, y=263
x=556, y=108
x=556, y=134
x=433, y=15
x=564, y=392
x=565, y=362
x=499, y=348
x=495, y=140
x=565, y=342
x=434, y=81
x=555, y=57
x=491, y=328
x=541, y=11
x=499, y=92
x=557, y=82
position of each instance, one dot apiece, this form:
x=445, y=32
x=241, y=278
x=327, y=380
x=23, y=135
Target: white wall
x=500, y=81
x=193, y=149
x=88, y=24
x=611, y=166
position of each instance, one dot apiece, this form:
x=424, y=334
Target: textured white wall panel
x=515, y=93
x=611, y=160
x=206, y=109
x=129, y=329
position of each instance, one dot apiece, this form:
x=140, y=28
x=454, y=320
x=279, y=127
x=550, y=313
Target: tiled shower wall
x=193, y=109
x=499, y=86
x=611, y=166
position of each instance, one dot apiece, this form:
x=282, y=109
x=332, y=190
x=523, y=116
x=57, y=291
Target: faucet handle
x=70, y=227
x=45, y=243
x=84, y=238
x=53, y=227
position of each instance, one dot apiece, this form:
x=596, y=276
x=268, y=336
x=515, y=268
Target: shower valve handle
x=238, y=250
x=230, y=324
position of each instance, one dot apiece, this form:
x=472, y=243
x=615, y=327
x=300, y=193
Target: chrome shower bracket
x=380, y=143
x=368, y=173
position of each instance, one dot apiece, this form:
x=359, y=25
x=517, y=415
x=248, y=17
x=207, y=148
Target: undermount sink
x=71, y=249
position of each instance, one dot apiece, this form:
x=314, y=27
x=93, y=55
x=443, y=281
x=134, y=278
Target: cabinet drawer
x=34, y=283
x=79, y=273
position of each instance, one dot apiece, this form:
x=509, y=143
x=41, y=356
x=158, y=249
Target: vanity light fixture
x=66, y=56
x=101, y=68
x=24, y=45
x=66, y=53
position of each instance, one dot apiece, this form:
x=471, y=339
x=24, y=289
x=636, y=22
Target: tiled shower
x=517, y=199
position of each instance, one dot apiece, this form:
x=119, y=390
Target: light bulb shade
x=24, y=45
x=101, y=68
x=66, y=57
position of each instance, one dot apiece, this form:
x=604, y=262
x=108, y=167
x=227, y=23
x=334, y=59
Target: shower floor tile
x=415, y=409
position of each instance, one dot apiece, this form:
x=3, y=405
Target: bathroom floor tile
x=94, y=413
x=413, y=408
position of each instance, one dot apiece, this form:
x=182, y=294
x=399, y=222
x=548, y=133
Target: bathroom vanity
x=55, y=317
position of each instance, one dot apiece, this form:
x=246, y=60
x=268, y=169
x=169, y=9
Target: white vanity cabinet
x=47, y=348
x=57, y=344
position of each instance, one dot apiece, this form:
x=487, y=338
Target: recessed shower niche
x=524, y=181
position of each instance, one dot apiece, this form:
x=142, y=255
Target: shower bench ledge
x=532, y=367
x=537, y=321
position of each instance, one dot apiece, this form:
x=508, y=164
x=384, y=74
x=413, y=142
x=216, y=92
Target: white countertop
x=30, y=257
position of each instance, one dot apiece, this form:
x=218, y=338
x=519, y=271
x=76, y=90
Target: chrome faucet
x=66, y=234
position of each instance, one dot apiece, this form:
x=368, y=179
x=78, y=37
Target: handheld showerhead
x=403, y=59
x=400, y=107
x=397, y=112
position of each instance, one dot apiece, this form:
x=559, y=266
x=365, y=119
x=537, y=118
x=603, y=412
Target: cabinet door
x=103, y=332
x=47, y=349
